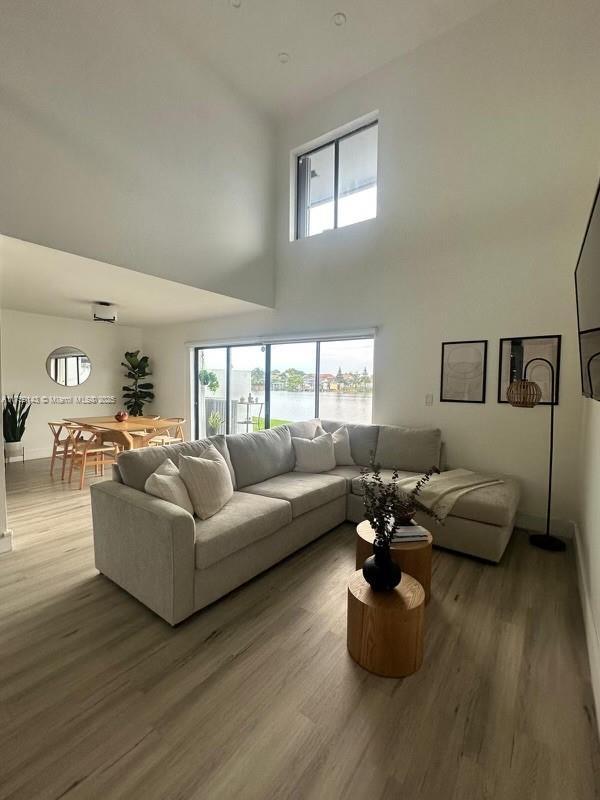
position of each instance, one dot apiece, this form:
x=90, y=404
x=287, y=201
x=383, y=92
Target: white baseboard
x=533, y=522
x=6, y=542
x=591, y=629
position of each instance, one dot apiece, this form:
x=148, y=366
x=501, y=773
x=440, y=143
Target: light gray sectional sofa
x=176, y=564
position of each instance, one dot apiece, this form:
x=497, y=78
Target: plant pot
x=213, y=431
x=13, y=450
x=380, y=572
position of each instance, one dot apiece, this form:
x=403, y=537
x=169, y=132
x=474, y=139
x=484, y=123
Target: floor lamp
x=527, y=394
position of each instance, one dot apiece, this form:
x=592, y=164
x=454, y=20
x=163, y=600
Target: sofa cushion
x=261, y=455
x=415, y=449
x=306, y=429
x=207, y=480
x=363, y=439
x=314, y=455
x=244, y=520
x=343, y=451
x=302, y=489
x=386, y=475
x=136, y=466
x=495, y=504
x=347, y=473
x=165, y=482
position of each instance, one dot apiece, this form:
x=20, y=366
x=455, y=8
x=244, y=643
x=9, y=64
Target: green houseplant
x=215, y=420
x=208, y=378
x=14, y=418
x=387, y=507
x=138, y=393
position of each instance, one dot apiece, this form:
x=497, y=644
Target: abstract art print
x=463, y=371
x=530, y=357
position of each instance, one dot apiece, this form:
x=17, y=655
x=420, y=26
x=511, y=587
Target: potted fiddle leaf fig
x=139, y=392
x=14, y=418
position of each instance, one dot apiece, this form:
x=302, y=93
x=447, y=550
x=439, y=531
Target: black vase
x=380, y=572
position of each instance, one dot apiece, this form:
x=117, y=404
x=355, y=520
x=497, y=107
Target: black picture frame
x=504, y=380
x=444, y=393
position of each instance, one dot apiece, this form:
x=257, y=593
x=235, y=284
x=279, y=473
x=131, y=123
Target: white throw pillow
x=165, y=482
x=341, y=444
x=314, y=455
x=208, y=481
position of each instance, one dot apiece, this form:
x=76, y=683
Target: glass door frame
x=196, y=362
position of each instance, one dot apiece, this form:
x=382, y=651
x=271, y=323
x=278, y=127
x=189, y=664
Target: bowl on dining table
x=121, y=416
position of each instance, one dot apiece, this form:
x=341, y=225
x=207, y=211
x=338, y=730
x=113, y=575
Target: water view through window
x=269, y=385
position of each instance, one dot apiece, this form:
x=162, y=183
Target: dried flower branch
x=387, y=505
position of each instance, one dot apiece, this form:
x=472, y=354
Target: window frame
x=317, y=340
x=301, y=207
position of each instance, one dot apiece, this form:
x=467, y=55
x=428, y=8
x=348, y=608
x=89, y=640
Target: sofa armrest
x=146, y=546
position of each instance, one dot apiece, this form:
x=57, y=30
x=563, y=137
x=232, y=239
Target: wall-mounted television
x=587, y=287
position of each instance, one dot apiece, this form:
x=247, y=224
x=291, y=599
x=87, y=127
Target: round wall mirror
x=68, y=366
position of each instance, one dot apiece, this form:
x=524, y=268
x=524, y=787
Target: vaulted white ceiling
x=141, y=133
x=241, y=43
x=244, y=43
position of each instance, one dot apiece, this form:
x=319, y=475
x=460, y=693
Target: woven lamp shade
x=524, y=394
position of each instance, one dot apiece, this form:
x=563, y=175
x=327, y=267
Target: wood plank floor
x=256, y=697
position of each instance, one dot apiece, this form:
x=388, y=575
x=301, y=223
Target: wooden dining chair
x=87, y=450
x=139, y=435
x=171, y=432
x=60, y=445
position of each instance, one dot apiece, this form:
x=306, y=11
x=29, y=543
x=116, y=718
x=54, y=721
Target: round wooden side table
x=385, y=629
x=411, y=557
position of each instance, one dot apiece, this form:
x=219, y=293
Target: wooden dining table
x=120, y=432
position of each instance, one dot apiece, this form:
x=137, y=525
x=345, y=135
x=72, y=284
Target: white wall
x=121, y=144
x=4, y=546
x=488, y=159
x=27, y=339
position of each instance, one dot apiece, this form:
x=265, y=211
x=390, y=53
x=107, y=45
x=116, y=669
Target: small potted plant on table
x=388, y=507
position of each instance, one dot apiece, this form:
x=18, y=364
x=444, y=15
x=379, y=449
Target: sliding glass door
x=292, y=382
x=242, y=388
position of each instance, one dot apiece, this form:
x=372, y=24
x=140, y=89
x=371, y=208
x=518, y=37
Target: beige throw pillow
x=208, y=481
x=341, y=445
x=314, y=455
x=165, y=482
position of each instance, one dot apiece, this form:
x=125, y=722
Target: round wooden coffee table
x=411, y=557
x=385, y=629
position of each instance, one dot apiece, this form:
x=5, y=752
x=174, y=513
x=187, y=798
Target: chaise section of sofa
x=176, y=564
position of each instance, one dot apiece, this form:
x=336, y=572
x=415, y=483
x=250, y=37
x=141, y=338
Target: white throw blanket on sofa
x=445, y=489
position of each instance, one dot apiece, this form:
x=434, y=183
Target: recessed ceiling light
x=339, y=19
x=284, y=57
x=235, y=3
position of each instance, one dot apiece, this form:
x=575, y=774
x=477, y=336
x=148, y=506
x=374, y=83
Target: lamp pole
x=546, y=540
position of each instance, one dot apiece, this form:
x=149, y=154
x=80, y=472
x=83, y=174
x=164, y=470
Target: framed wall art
x=464, y=367
x=529, y=357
